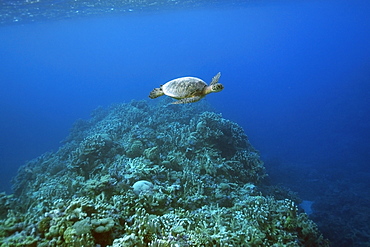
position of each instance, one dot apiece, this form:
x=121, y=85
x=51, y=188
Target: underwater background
x=296, y=77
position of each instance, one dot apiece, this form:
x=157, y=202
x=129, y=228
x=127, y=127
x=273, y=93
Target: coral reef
x=338, y=197
x=137, y=174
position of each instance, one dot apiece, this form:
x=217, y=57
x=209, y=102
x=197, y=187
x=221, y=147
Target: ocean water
x=296, y=77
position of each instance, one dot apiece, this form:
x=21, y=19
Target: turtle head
x=156, y=92
x=217, y=87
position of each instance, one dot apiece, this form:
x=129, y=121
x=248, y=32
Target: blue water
x=296, y=77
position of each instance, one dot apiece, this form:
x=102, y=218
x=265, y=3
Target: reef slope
x=137, y=174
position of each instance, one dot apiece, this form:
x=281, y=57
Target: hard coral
x=203, y=190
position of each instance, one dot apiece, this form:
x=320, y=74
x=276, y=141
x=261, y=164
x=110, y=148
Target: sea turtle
x=187, y=89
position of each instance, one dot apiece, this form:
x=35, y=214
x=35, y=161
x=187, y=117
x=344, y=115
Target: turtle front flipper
x=215, y=78
x=187, y=100
x=156, y=92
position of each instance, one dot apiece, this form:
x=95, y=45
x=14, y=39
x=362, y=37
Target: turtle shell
x=184, y=87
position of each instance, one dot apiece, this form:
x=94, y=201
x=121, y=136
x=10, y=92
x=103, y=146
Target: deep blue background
x=296, y=75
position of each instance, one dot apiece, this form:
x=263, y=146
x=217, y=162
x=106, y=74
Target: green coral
x=102, y=225
x=136, y=149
